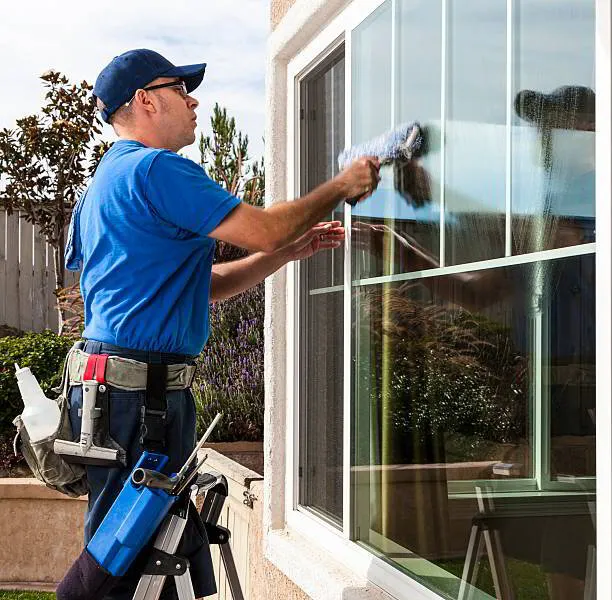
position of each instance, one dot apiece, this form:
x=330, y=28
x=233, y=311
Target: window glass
x=371, y=75
x=473, y=415
x=407, y=203
x=553, y=138
x=417, y=213
x=456, y=378
x=321, y=302
x=475, y=148
x=370, y=117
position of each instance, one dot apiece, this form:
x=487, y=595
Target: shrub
x=451, y=374
x=230, y=369
x=44, y=353
x=9, y=463
x=70, y=303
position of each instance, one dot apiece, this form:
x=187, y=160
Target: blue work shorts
x=104, y=484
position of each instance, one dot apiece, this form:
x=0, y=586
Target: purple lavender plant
x=230, y=368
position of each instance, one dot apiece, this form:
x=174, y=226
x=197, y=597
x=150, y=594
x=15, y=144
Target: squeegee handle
x=206, y=435
x=90, y=391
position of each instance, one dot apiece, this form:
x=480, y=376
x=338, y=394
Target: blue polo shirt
x=139, y=234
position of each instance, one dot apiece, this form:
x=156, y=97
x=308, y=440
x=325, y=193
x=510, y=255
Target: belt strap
x=154, y=421
x=125, y=373
x=95, y=369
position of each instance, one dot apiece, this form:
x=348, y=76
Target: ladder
x=163, y=562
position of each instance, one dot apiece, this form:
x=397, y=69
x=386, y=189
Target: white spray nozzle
x=19, y=370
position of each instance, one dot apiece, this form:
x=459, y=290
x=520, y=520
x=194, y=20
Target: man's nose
x=192, y=102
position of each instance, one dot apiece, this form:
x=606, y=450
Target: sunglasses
x=180, y=86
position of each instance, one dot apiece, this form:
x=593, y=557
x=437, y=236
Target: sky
x=79, y=38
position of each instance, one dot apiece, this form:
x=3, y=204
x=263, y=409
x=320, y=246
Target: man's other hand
x=322, y=236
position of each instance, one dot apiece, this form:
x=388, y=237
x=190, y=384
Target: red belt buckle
x=95, y=369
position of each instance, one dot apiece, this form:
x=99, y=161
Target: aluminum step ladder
x=163, y=562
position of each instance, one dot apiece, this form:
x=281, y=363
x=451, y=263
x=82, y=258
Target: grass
x=528, y=580
x=17, y=595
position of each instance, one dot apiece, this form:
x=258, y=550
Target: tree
x=46, y=160
x=224, y=157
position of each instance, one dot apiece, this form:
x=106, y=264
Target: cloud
x=79, y=38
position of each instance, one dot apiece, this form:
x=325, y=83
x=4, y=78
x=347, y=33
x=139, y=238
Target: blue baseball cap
x=118, y=81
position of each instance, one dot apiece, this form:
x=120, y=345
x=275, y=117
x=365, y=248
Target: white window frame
x=304, y=522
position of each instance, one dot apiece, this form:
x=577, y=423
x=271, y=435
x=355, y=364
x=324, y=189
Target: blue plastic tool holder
x=132, y=520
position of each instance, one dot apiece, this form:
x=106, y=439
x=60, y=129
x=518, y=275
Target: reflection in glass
x=553, y=158
x=474, y=386
x=407, y=202
x=371, y=76
x=419, y=63
x=449, y=435
x=475, y=200
x=321, y=308
x=569, y=369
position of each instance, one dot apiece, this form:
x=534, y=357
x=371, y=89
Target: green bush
x=44, y=353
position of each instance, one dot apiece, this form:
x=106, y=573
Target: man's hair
x=121, y=116
x=125, y=112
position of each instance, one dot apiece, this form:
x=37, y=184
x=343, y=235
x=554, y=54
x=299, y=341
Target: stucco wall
x=278, y=9
x=266, y=581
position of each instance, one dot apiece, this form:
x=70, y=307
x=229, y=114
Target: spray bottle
x=41, y=415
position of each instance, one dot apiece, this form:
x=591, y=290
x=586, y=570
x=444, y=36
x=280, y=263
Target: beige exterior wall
x=278, y=9
x=266, y=581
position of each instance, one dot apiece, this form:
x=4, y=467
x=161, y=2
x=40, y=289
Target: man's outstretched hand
x=322, y=236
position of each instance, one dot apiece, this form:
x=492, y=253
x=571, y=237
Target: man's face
x=176, y=112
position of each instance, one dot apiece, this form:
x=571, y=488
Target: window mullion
x=509, y=109
x=348, y=312
x=443, y=131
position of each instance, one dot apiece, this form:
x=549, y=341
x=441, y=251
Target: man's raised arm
x=272, y=228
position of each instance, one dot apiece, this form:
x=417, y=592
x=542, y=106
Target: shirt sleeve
x=181, y=193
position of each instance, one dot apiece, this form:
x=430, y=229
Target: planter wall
x=42, y=532
x=247, y=454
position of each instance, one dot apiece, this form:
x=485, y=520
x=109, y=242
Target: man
x=144, y=236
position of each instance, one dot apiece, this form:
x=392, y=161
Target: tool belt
x=58, y=461
x=125, y=373
x=131, y=375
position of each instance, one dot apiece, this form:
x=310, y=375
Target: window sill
x=326, y=565
x=316, y=571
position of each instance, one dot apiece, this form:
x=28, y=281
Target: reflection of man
x=562, y=291
x=565, y=121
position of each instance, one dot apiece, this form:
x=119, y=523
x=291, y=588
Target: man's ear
x=146, y=101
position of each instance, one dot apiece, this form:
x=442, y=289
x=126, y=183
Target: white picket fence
x=27, y=279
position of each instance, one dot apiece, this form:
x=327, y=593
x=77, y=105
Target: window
x=471, y=288
x=321, y=299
